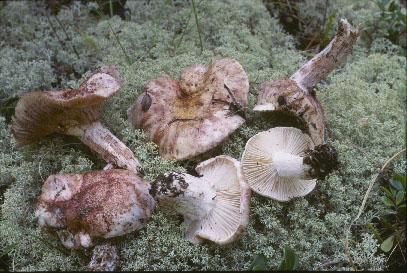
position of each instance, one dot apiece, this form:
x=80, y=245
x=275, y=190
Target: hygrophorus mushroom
x=282, y=163
x=74, y=112
x=192, y=115
x=82, y=208
x=292, y=95
x=215, y=206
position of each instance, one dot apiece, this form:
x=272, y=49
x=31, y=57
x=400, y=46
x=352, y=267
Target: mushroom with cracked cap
x=82, y=208
x=192, y=115
x=283, y=163
x=215, y=206
x=74, y=112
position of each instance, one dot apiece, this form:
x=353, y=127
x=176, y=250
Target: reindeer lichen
x=363, y=100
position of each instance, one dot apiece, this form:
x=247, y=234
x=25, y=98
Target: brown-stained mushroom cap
x=292, y=95
x=216, y=205
x=81, y=208
x=285, y=96
x=74, y=112
x=192, y=115
x=40, y=113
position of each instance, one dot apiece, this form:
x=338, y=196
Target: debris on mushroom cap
x=216, y=205
x=285, y=96
x=40, y=113
x=273, y=163
x=105, y=257
x=192, y=115
x=101, y=204
x=74, y=112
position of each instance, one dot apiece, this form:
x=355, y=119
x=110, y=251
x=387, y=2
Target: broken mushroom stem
x=102, y=141
x=328, y=59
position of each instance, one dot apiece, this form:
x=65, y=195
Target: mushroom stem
x=193, y=199
x=328, y=59
x=102, y=141
x=290, y=165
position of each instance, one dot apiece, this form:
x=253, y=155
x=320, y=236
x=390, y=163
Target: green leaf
x=400, y=178
x=376, y=234
x=387, y=245
x=387, y=201
x=396, y=184
x=259, y=263
x=399, y=197
x=386, y=224
x=386, y=191
x=8, y=249
x=290, y=259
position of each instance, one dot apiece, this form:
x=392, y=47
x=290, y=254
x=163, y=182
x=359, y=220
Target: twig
x=330, y=263
x=197, y=24
x=363, y=206
x=67, y=36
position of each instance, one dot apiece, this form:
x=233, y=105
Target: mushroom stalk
x=290, y=165
x=193, y=199
x=328, y=59
x=102, y=141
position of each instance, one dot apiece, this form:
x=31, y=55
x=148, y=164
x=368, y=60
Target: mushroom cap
x=230, y=215
x=260, y=158
x=284, y=95
x=192, y=115
x=99, y=204
x=40, y=113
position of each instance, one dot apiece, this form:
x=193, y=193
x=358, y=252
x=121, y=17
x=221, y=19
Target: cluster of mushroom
x=184, y=118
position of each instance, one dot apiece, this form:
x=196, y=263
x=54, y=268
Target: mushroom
x=74, y=112
x=82, y=208
x=192, y=115
x=292, y=95
x=215, y=205
x=283, y=163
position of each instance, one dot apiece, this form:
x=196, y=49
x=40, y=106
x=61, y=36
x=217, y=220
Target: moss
x=369, y=87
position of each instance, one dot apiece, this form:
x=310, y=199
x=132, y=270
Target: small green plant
x=259, y=263
x=289, y=262
x=390, y=22
x=5, y=252
x=390, y=229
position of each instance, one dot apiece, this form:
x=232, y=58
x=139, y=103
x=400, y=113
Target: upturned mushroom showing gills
x=292, y=95
x=82, y=208
x=192, y=115
x=74, y=112
x=283, y=163
x=215, y=206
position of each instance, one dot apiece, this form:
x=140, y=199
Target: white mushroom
x=215, y=206
x=282, y=163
